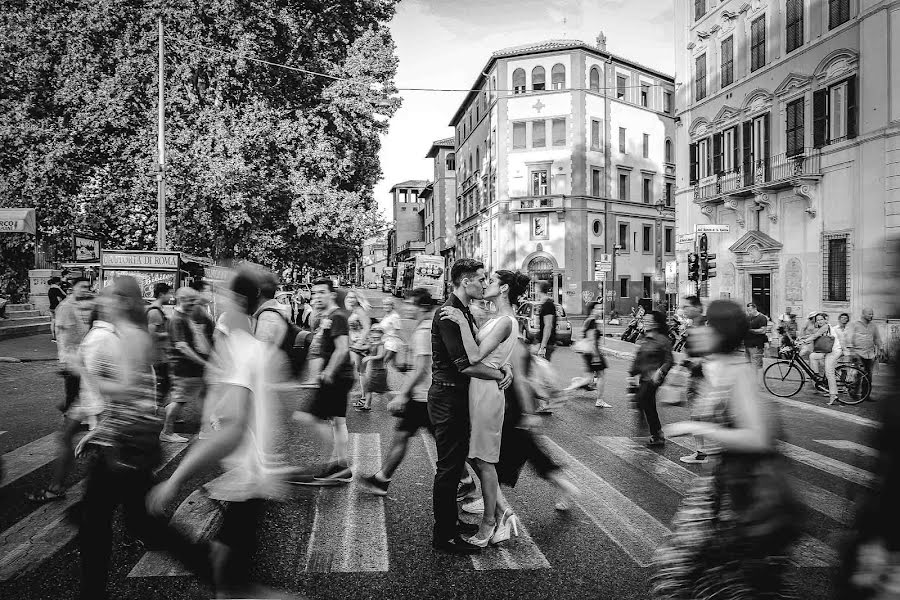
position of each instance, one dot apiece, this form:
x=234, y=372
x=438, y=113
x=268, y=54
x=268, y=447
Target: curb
x=9, y=359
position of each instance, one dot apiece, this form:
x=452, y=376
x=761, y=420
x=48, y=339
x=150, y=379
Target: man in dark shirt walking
x=448, y=402
x=547, y=316
x=756, y=340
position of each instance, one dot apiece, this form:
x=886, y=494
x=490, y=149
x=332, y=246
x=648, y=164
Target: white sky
x=445, y=44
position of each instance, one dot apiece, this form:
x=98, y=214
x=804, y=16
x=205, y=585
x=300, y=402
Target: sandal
x=46, y=495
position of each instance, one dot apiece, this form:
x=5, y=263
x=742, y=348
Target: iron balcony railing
x=774, y=172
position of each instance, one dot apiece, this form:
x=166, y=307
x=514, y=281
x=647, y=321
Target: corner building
x=563, y=153
x=789, y=134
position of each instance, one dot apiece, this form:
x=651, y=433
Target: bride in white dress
x=492, y=347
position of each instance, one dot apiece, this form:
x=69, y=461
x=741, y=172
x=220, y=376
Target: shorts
x=595, y=362
x=186, y=389
x=414, y=417
x=376, y=382
x=331, y=400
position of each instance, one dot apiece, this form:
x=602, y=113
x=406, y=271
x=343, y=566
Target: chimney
x=601, y=41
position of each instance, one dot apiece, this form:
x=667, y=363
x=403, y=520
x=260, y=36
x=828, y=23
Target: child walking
x=375, y=379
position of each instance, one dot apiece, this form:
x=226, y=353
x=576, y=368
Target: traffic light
x=693, y=267
x=708, y=267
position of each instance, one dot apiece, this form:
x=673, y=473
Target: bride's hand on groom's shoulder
x=453, y=314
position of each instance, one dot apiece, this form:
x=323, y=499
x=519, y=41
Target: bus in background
x=388, y=276
x=428, y=272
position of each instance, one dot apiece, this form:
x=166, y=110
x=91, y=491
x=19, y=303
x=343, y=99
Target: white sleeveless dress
x=486, y=400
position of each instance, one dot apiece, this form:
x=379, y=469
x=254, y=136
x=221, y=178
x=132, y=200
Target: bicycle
x=786, y=377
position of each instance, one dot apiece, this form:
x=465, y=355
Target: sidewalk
x=30, y=348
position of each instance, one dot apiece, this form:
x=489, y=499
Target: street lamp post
x=161, y=149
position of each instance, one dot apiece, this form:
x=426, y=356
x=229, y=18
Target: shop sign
x=124, y=259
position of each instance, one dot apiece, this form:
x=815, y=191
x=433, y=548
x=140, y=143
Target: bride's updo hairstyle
x=518, y=284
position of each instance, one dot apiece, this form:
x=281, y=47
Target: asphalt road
x=339, y=543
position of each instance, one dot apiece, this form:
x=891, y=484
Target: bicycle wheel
x=853, y=384
x=783, y=378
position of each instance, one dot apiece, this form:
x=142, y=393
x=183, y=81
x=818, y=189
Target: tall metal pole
x=161, y=149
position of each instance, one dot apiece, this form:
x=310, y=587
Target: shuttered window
x=694, y=161
x=728, y=62
x=794, y=28
x=838, y=12
x=700, y=76
x=595, y=134
x=835, y=112
x=699, y=9
x=794, y=127
x=758, y=43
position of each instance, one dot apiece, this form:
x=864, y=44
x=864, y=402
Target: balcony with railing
x=773, y=173
x=536, y=203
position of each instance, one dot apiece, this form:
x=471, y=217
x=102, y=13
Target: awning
x=17, y=220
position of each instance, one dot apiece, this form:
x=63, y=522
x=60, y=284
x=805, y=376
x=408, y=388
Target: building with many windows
x=374, y=259
x=440, y=202
x=406, y=239
x=564, y=152
x=789, y=135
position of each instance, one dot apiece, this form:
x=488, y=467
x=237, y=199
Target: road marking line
x=819, y=499
x=517, y=553
x=349, y=534
x=807, y=552
x=45, y=531
x=849, y=446
x=28, y=458
x=635, y=531
x=828, y=464
x=855, y=419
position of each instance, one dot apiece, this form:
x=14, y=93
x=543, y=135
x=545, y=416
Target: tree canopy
x=263, y=163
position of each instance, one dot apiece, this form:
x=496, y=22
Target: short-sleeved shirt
x=757, y=340
x=56, y=295
x=329, y=327
x=181, y=329
x=417, y=346
x=271, y=323
x=157, y=326
x=548, y=307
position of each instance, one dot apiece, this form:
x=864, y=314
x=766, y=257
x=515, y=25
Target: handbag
x=824, y=343
x=583, y=346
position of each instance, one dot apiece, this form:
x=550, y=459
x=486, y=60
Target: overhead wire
x=399, y=89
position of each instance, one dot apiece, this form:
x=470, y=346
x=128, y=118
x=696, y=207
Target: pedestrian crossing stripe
x=32, y=456
x=517, y=553
x=828, y=412
x=44, y=532
x=828, y=465
x=849, y=446
x=807, y=552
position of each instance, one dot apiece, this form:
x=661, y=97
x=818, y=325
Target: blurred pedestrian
x=589, y=348
x=56, y=295
x=693, y=311
x=73, y=321
x=190, y=347
x=359, y=323
x=243, y=397
x=864, y=342
x=374, y=368
x=651, y=365
x=731, y=536
x=157, y=324
x=390, y=323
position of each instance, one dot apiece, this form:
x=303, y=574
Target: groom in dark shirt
x=448, y=402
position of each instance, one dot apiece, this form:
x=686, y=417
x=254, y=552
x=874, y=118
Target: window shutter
x=693, y=148
x=820, y=118
x=717, y=153
x=747, y=144
x=735, y=150
x=852, y=110
x=768, y=135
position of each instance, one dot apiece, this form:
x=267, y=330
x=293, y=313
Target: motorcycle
x=636, y=327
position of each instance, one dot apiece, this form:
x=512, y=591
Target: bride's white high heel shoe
x=508, y=527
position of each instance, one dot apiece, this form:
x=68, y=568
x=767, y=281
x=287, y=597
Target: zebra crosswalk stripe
x=41, y=534
x=808, y=552
x=635, y=531
x=828, y=465
x=32, y=456
x=349, y=533
x=849, y=446
x=517, y=553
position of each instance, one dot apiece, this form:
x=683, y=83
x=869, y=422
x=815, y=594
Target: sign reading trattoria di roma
x=133, y=259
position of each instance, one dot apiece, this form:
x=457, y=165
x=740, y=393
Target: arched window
x=595, y=79
x=538, y=79
x=558, y=77
x=519, y=81
x=477, y=159
x=668, y=151
x=451, y=162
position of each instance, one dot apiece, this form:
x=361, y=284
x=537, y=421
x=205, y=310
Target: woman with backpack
x=826, y=350
x=730, y=537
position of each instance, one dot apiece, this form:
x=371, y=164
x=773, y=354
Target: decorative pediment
x=744, y=7
x=758, y=5
x=699, y=128
x=726, y=114
x=836, y=64
x=758, y=99
x=794, y=81
x=703, y=35
x=691, y=45
x=728, y=15
x=755, y=241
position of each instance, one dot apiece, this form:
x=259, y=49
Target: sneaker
x=335, y=473
x=697, y=458
x=373, y=485
x=173, y=438
x=602, y=404
x=464, y=490
x=656, y=440
x=474, y=507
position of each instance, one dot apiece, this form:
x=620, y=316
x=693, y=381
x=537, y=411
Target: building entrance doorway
x=539, y=269
x=761, y=293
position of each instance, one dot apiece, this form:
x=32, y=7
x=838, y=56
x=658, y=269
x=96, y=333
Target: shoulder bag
x=824, y=343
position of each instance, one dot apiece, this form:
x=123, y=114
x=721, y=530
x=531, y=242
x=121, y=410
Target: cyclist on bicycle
x=822, y=355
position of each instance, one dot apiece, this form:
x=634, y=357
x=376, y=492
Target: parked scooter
x=635, y=328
